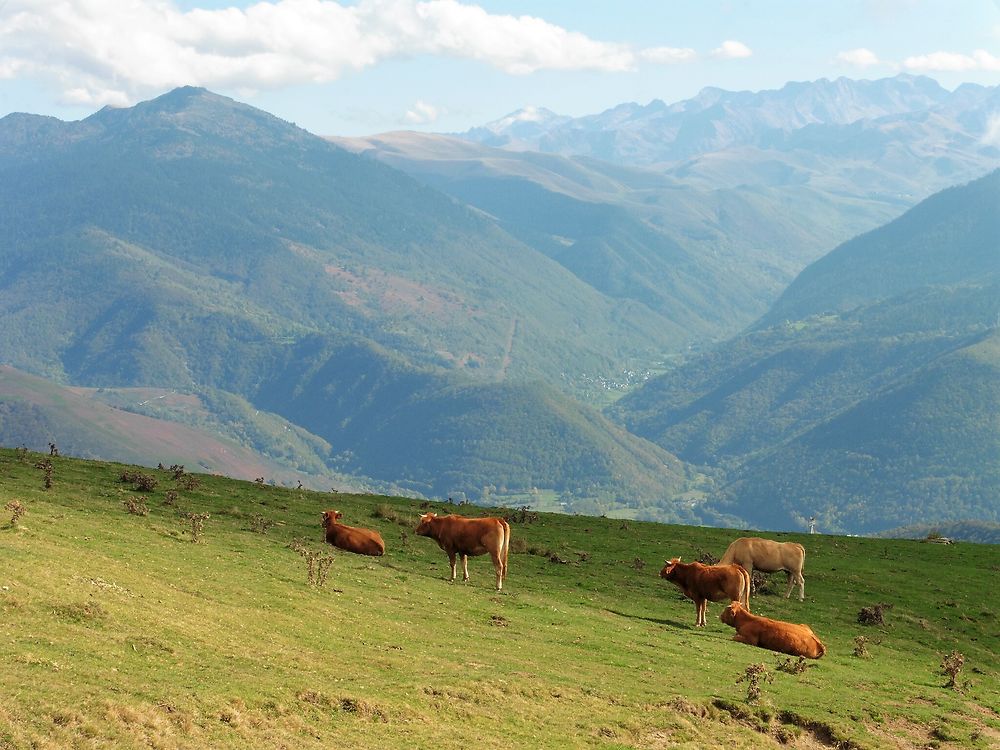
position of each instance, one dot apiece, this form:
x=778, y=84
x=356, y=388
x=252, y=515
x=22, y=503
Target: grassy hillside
x=118, y=632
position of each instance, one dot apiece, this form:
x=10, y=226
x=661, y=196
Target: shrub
x=873, y=615
x=136, y=506
x=46, y=466
x=197, y=521
x=144, y=482
x=170, y=497
x=388, y=513
x=260, y=524
x=793, y=666
x=861, y=647
x=753, y=676
x=17, y=509
x=951, y=665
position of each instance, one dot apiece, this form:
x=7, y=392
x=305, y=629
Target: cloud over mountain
x=117, y=51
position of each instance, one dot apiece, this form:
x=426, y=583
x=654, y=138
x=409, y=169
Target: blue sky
x=352, y=68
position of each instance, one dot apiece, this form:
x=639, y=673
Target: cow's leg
x=498, y=567
x=802, y=586
x=702, y=605
x=451, y=559
x=791, y=583
x=465, y=567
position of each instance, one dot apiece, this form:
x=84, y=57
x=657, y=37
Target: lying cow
x=702, y=583
x=462, y=536
x=350, y=538
x=785, y=637
x=768, y=556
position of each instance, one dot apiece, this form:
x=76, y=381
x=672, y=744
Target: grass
x=119, y=631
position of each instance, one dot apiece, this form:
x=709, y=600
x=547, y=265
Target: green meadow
x=120, y=629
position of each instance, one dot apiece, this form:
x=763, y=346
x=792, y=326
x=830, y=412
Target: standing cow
x=703, y=583
x=351, y=538
x=754, y=553
x=462, y=536
x=775, y=635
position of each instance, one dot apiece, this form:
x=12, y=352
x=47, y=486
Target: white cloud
x=953, y=62
x=421, y=113
x=668, y=55
x=731, y=50
x=859, y=58
x=106, y=50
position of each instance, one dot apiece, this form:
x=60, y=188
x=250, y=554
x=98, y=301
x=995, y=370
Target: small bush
x=707, y=558
x=793, y=666
x=753, y=676
x=260, y=524
x=170, y=497
x=145, y=482
x=16, y=509
x=873, y=615
x=189, y=482
x=197, y=521
x=861, y=647
x=761, y=584
x=951, y=665
x=638, y=563
x=136, y=506
x=48, y=469
x=317, y=563
x=524, y=514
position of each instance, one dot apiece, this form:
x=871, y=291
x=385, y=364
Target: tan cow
x=351, y=538
x=775, y=635
x=462, y=536
x=701, y=583
x=754, y=553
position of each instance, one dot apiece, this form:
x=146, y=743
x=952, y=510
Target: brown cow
x=458, y=535
x=351, y=538
x=754, y=553
x=701, y=583
x=785, y=637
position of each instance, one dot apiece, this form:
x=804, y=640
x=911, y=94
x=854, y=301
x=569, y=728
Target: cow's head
x=330, y=517
x=728, y=615
x=668, y=568
x=424, y=527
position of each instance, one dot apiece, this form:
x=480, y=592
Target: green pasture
x=119, y=631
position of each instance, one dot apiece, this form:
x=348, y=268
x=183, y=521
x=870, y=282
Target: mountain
x=707, y=260
x=84, y=422
x=706, y=209
x=193, y=243
x=193, y=203
x=951, y=238
x=718, y=120
x=866, y=411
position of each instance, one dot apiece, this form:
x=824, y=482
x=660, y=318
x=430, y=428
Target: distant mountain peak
x=713, y=120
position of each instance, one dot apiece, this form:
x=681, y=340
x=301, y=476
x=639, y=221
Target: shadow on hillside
x=657, y=620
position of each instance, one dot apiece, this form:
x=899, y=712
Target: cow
x=701, y=583
x=462, y=536
x=350, y=538
x=754, y=553
x=775, y=635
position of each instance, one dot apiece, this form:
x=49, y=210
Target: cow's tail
x=744, y=588
x=506, y=546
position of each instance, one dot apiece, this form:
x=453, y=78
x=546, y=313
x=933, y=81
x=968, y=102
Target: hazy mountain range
x=449, y=315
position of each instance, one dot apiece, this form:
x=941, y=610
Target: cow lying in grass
x=768, y=556
x=350, y=538
x=775, y=635
x=703, y=583
x=462, y=536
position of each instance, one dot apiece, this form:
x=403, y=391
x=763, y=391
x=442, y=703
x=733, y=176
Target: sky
x=337, y=67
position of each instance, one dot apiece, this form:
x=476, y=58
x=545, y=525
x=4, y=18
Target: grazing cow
x=754, y=553
x=785, y=637
x=462, y=536
x=701, y=583
x=350, y=538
